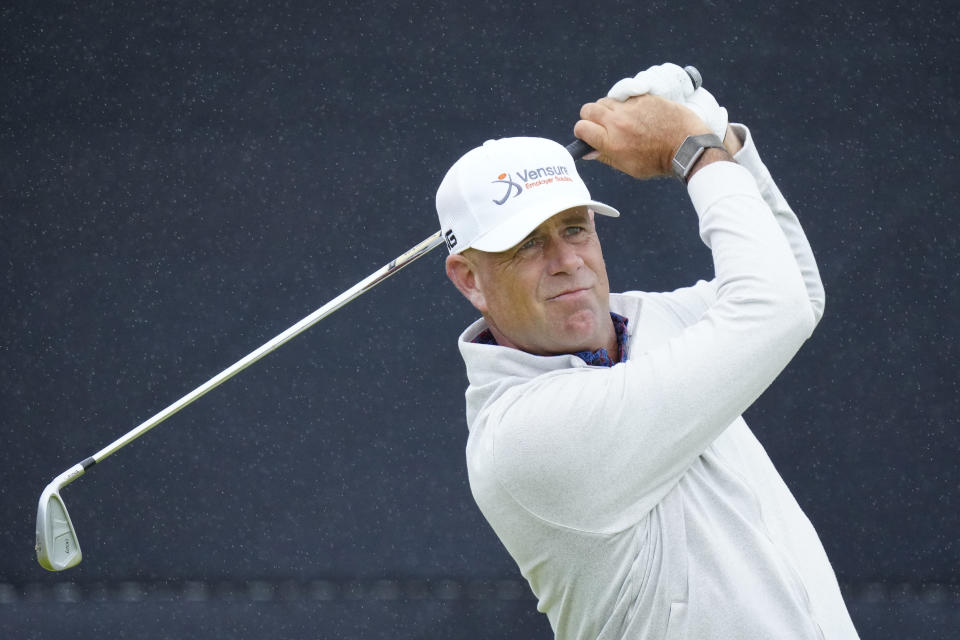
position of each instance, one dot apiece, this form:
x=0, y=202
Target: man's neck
x=612, y=353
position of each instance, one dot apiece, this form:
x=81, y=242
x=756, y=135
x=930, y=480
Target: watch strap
x=691, y=150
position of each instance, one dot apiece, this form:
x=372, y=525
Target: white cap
x=496, y=194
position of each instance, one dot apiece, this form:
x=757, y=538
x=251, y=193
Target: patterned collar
x=598, y=358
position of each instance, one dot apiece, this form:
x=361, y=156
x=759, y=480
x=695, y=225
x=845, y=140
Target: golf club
x=57, y=545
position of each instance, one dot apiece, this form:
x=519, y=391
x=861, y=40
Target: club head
x=57, y=546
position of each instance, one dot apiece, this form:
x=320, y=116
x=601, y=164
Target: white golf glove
x=671, y=82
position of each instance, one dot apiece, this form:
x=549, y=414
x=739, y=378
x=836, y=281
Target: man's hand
x=665, y=80
x=671, y=82
x=639, y=136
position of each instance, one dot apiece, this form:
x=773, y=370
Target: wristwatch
x=691, y=150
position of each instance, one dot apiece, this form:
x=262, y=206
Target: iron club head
x=57, y=546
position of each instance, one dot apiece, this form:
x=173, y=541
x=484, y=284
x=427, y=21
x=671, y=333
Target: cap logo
x=450, y=239
x=511, y=185
x=530, y=178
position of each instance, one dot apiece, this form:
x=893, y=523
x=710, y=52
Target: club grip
x=578, y=148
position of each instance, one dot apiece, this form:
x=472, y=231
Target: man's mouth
x=569, y=293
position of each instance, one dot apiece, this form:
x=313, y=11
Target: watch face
x=688, y=152
x=691, y=149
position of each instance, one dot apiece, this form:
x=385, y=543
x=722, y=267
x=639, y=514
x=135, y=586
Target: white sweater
x=634, y=498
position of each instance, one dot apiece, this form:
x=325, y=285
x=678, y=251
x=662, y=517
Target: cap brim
x=514, y=230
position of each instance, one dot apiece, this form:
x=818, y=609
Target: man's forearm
x=732, y=141
x=732, y=144
x=708, y=157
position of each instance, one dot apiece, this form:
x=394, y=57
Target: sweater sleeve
x=595, y=449
x=695, y=300
x=786, y=219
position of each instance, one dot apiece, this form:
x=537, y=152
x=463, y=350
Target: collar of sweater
x=598, y=358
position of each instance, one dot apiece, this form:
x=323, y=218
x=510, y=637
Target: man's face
x=549, y=294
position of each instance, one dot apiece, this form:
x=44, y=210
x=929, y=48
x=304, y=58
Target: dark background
x=182, y=181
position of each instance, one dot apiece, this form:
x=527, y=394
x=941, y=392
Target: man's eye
x=528, y=245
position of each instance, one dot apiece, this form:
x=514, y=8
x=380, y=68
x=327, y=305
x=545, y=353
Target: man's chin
x=586, y=336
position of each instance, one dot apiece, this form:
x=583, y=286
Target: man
x=606, y=446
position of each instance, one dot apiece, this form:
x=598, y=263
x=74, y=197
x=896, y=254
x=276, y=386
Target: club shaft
x=361, y=287
x=577, y=149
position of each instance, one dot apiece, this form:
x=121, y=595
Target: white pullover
x=634, y=498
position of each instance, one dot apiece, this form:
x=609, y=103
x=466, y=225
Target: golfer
x=606, y=447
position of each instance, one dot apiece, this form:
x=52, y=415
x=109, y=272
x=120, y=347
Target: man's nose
x=563, y=257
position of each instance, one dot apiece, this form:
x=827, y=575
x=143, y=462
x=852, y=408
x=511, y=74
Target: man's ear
x=463, y=274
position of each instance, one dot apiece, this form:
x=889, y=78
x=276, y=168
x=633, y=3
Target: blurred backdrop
x=181, y=181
